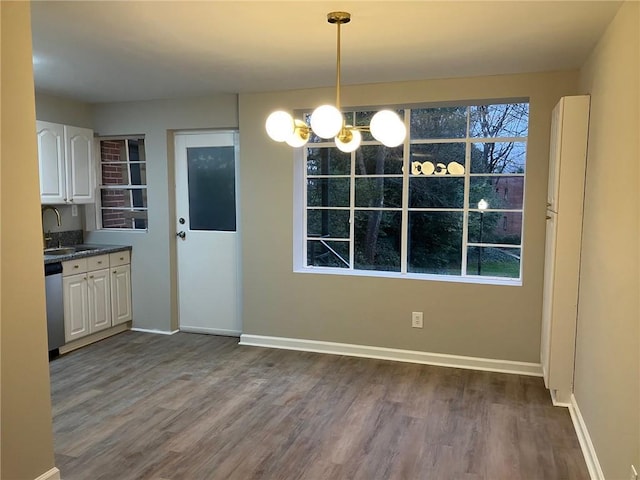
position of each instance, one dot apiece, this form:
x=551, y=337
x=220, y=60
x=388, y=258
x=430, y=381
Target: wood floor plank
x=138, y=406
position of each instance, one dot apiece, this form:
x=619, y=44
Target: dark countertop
x=94, y=250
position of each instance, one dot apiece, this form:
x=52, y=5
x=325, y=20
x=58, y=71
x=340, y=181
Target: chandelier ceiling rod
x=338, y=18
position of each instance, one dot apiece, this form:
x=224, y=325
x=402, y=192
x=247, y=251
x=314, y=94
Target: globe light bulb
x=300, y=135
x=387, y=128
x=352, y=143
x=326, y=121
x=483, y=204
x=279, y=125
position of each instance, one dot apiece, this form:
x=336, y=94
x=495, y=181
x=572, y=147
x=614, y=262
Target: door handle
x=181, y=234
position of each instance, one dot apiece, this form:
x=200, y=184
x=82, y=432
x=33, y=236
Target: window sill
x=127, y=230
x=501, y=281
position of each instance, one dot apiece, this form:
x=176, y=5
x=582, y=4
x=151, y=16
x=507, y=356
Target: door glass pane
x=212, y=188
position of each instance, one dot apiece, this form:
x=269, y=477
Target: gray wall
x=153, y=262
x=51, y=108
x=607, y=373
x=499, y=322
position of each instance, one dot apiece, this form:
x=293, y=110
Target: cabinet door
x=121, y=294
x=50, y=138
x=547, y=298
x=79, y=161
x=76, y=307
x=99, y=290
x=555, y=150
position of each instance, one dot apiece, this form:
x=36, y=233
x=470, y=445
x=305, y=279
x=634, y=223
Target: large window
x=448, y=202
x=122, y=199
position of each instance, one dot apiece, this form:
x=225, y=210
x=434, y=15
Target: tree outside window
x=414, y=208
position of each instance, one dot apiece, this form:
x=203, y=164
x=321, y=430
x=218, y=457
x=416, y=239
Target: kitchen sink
x=84, y=248
x=69, y=250
x=59, y=251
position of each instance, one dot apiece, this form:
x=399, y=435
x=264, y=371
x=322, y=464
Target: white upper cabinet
x=79, y=160
x=51, y=160
x=66, y=159
x=555, y=151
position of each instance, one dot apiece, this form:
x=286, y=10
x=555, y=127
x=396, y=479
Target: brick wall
x=112, y=151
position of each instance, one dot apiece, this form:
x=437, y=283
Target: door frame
x=173, y=231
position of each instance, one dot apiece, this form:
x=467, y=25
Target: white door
x=206, y=228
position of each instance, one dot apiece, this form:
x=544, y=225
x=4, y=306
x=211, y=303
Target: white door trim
x=179, y=143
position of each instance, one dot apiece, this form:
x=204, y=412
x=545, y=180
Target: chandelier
x=328, y=122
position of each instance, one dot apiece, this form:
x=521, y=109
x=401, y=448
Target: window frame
x=100, y=187
x=301, y=208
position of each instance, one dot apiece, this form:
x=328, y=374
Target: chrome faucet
x=59, y=220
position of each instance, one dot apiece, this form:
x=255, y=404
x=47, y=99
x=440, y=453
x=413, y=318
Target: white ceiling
x=120, y=51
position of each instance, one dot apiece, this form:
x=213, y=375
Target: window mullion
x=465, y=215
x=305, y=258
x=352, y=212
x=404, y=232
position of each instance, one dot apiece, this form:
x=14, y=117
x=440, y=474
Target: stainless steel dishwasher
x=55, y=306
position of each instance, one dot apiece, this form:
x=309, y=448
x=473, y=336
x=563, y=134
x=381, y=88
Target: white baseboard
x=53, y=474
x=159, y=332
x=211, y=331
x=412, y=356
x=589, y=452
x=557, y=401
x=94, y=337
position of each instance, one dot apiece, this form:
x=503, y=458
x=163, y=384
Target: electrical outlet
x=634, y=473
x=74, y=210
x=416, y=319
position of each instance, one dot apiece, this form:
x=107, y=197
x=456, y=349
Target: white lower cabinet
x=121, y=294
x=99, y=300
x=97, y=294
x=76, y=307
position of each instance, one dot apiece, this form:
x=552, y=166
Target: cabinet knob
x=114, y=271
x=121, y=258
x=90, y=276
x=100, y=262
x=76, y=266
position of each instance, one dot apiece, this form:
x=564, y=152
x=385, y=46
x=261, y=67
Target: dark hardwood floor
x=199, y=407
